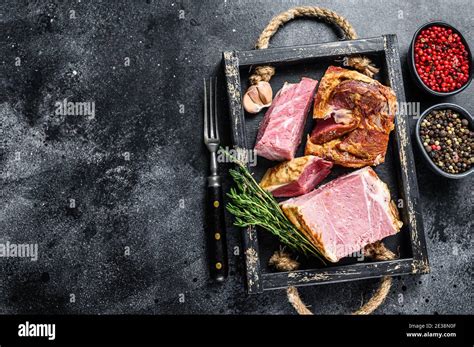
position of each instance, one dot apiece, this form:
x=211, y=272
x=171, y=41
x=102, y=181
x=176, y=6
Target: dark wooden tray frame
x=257, y=281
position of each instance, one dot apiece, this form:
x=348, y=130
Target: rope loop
x=265, y=73
x=282, y=261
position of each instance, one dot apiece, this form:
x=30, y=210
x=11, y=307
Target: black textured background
x=154, y=202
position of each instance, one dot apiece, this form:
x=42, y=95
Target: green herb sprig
x=251, y=205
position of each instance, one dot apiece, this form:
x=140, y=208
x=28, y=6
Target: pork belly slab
x=282, y=126
x=296, y=177
x=346, y=214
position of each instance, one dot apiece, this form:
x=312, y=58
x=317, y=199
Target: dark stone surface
x=137, y=203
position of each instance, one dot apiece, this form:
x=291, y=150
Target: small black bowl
x=464, y=113
x=411, y=60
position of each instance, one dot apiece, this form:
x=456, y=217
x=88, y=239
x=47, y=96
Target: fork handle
x=216, y=231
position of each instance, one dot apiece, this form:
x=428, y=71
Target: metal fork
x=216, y=224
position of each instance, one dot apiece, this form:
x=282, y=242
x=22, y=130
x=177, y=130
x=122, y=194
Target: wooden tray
x=398, y=171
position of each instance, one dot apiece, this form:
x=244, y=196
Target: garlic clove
x=249, y=105
x=257, y=97
x=265, y=92
x=254, y=94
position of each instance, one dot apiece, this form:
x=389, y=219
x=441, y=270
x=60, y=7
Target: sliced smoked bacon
x=296, y=177
x=346, y=214
x=282, y=126
x=354, y=117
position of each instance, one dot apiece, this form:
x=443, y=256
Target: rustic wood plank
x=407, y=175
x=239, y=139
x=298, y=53
x=338, y=274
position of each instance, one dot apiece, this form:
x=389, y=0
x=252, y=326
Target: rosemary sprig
x=251, y=205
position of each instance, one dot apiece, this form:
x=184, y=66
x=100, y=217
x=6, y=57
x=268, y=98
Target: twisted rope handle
x=282, y=262
x=265, y=73
x=304, y=11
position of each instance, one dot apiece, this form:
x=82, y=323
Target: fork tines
x=211, y=132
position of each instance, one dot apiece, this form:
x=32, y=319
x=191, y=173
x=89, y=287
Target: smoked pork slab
x=296, y=177
x=346, y=214
x=282, y=127
x=354, y=116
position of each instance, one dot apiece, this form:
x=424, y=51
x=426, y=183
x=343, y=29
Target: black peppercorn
x=448, y=140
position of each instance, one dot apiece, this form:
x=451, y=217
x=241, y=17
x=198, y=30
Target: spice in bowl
x=448, y=140
x=441, y=59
